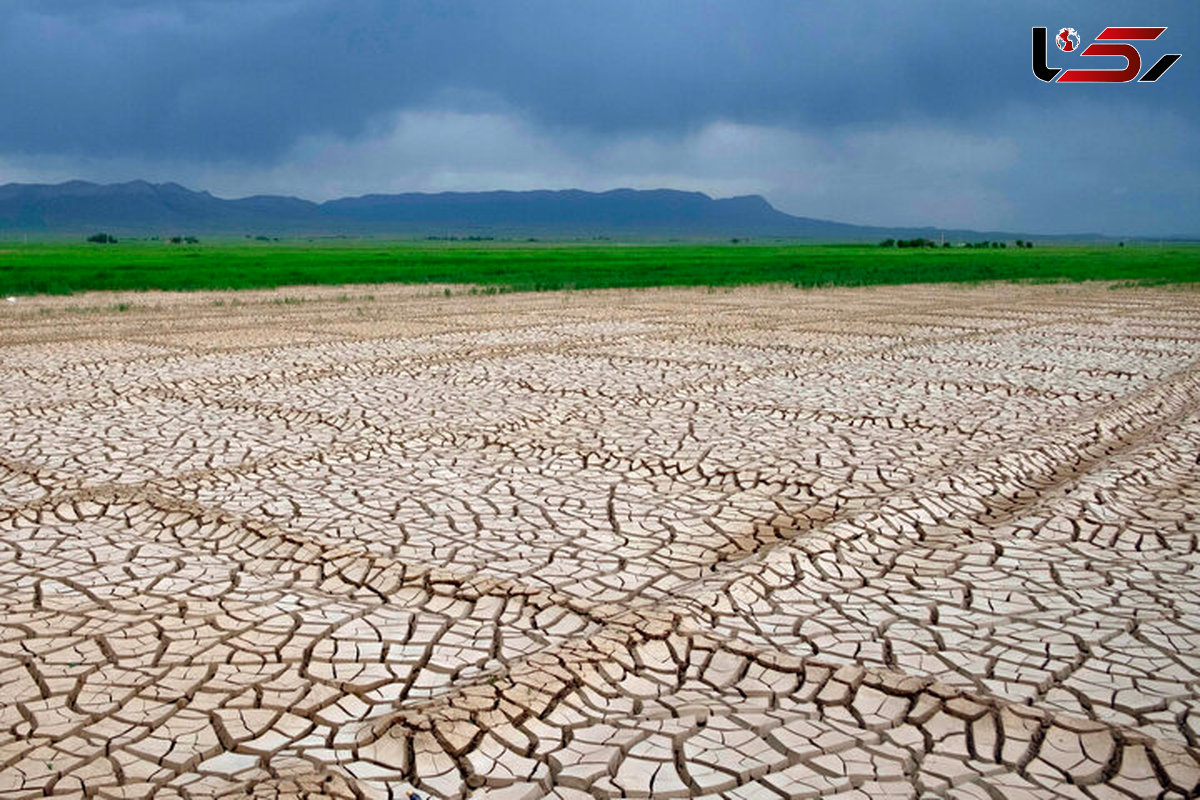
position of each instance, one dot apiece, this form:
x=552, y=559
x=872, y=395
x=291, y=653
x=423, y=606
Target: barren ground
x=758, y=543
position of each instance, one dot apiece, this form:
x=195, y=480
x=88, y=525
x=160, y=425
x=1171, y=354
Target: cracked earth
x=875, y=543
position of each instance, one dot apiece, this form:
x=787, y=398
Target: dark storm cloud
x=221, y=82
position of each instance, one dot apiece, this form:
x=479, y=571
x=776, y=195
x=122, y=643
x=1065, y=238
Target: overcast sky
x=886, y=113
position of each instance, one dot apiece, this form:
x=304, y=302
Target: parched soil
x=873, y=543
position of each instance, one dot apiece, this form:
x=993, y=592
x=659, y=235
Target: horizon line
x=715, y=198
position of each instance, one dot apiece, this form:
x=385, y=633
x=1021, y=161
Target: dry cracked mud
x=877, y=543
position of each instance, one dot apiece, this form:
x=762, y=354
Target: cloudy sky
x=887, y=113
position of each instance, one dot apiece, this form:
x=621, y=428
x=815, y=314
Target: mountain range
x=139, y=208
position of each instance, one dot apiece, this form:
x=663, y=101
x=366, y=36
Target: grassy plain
x=63, y=268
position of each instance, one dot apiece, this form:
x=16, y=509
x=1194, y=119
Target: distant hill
x=139, y=208
x=658, y=212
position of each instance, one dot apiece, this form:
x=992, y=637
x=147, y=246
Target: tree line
x=921, y=241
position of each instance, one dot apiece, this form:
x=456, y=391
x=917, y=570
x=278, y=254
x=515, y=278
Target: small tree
x=888, y=243
x=920, y=241
x=102, y=238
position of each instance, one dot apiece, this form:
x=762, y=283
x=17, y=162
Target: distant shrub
x=888, y=243
x=102, y=238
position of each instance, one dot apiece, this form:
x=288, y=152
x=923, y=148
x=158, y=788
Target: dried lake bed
x=764, y=542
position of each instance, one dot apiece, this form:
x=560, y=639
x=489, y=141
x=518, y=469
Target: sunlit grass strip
x=67, y=268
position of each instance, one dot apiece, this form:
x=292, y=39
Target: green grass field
x=67, y=268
